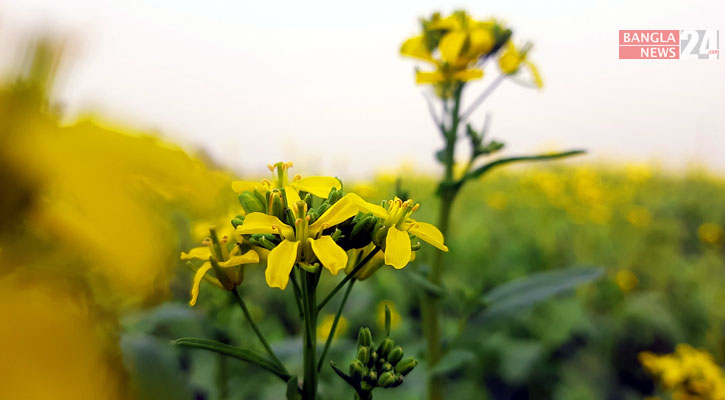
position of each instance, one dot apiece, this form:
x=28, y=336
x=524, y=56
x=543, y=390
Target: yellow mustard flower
x=303, y=243
x=688, y=373
x=396, y=217
x=512, y=58
x=230, y=275
x=319, y=186
x=463, y=41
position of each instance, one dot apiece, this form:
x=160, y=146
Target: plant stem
x=347, y=278
x=261, y=337
x=430, y=305
x=333, y=329
x=309, y=389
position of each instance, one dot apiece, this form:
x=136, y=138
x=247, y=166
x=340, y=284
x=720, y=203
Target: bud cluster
x=375, y=366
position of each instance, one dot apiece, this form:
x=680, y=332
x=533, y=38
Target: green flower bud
x=278, y=208
x=405, y=366
x=385, y=346
x=387, y=366
x=364, y=337
x=251, y=203
x=357, y=370
x=363, y=354
x=373, y=358
x=366, y=387
x=238, y=220
x=371, y=377
x=387, y=379
x=395, y=355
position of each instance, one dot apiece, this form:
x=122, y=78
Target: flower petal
x=451, y=45
x=434, y=77
x=291, y=195
x=197, y=281
x=250, y=257
x=258, y=223
x=199, y=253
x=535, y=74
x=481, y=42
x=367, y=207
x=319, y=186
x=247, y=186
x=468, y=75
x=279, y=264
x=332, y=256
x=427, y=233
x=415, y=47
x=397, y=248
x=340, y=211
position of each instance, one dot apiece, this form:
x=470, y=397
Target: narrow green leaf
x=527, y=291
x=249, y=356
x=347, y=378
x=541, y=157
x=293, y=389
x=387, y=321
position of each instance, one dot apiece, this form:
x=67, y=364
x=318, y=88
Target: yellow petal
x=197, y=281
x=279, y=264
x=397, y=248
x=332, y=256
x=291, y=196
x=367, y=207
x=200, y=253
x=481, y=42
x=415, y=47
x=535, y=74
x=468, y=75
x=451, y=45
x=250, y=257
x=246, y=186
x=423, y=78
x=428, y=233
x=319, y=186
x=258, y=223
x=340, y=211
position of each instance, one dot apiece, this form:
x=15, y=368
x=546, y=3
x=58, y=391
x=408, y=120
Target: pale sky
x=322, y=84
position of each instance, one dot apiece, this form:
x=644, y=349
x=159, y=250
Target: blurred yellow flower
x=639, y=216
x=626, y=280
x=512, y=58
x=325, y=326
x=688, y=373
x=710, y=233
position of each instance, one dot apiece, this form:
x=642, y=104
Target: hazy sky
x=321, y=83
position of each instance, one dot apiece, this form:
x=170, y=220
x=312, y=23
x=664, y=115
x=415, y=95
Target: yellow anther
x=271, y=167
x=206, y=242
x=307, y=218
x=296, y=178
x=266, y=182
x=407, y=203
x=225, y=239
x=415, y=207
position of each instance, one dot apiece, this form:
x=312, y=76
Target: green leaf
x=293, y=389
x=527, y=291
x=347, y=378
x=451, y=361
x=423, y=282
x=234, y=351
x=541, y=157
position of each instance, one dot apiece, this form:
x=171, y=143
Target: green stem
x=309, y=389
x=347, y=278
x=333, y=329
x=430, y=304
x=298, y=293
x=261, y=337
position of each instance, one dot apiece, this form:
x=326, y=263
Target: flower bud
x=238, y=220
x=385, y=346
x=364, y=337
x=387, y=366
x=277, y=209
x=251, y=203
x=371, y=377
x=395, y=355
x=405, y=366
x=363, y=354
x=357, y=370
x=387, y=379
x=362, y=231
x=373, y=358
